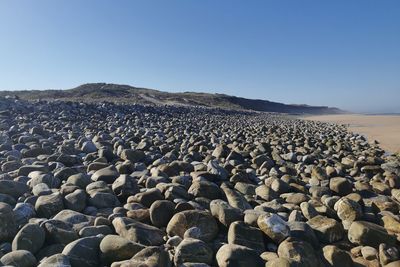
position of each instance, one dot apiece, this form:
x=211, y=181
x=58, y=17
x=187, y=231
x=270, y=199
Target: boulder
x=230, y=255
x=369, y=234
x=31, y=237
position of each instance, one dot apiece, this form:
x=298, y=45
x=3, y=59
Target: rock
x=125, y=186
x=8, y=199
x=122, y=184
x=31, y=237
x=369, y=253
x=138, y=232
x=147, y=198
x=23, y=212
x=242, y=234
x=48, y=251
x=115, y=248
x=340, y=186
x=102, y=200
x=95, y=230
x=299, y=252
x=279, y=262
x=76, y=200
x=214, y=168
x=88, y=147
x=265, y=193
x=19, y=258
x=391, y=224
x=80, y=179
x=230, y=255
x=49, y=205
x=302, y=231
x=308, y=210
x=8, y=226
x=296, y=198
x=337, y=257
x=327, y=230
x=148, y=257
x=78, y=220
x=161, y=212
x=388, y=254
x=57, y=260
x=12, y=188
x=184, y=220
x=108, y=174
x=132, y=155
x=235, y=199
x=193, y=250
x=348, y=210
x=393, y=264
x=205, y=189
x=392, y=167
x=61, y=232
x=83, y=252
x=38, y=177
x=274, y=227
x=225, y=213
x=369, y=234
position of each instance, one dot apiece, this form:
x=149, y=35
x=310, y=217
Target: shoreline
x=383, y=128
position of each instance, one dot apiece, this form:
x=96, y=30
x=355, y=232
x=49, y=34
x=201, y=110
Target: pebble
x=109, y=184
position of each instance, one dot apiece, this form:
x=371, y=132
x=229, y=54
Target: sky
x=342, y=53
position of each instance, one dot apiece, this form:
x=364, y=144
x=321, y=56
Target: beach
x=383, y=128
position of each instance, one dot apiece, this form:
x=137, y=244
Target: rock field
x=105, y=184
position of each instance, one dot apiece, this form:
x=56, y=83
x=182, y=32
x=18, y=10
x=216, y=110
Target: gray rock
x=31, y=237
x=57, y=260
x=125, y=186
x=327, y=230
x=193, y=250
x=149, y=257
x=238, y=256
x=242, y=234
x=299, y=252
x=108, y=174
x=138, y=232
x=161, y=211
x=49, y=205
x=337, y=257
x=184, y=220
x=76, y=200
x=19, y=258
x=225, y=213
x=8, y=226
x=116, y=248
x=83, y=252
x=369, y=234
x=12, y=188
x=59, y=232
x=274, y=227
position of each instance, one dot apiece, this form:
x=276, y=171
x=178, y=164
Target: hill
x=128, y=94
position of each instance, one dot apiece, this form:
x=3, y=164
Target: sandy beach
x=384, y=128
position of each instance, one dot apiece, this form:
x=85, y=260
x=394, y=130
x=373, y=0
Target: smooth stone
x=116, y=248
x=184, y=220
x=8, y=226
x=83, y=252
x=239, y=256
x=19, y=258
x=31, y=237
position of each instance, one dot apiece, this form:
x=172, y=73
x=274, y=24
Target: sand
x=383, y=128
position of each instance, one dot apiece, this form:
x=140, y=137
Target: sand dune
x=384, y=128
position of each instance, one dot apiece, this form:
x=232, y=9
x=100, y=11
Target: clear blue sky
x=338, y=53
